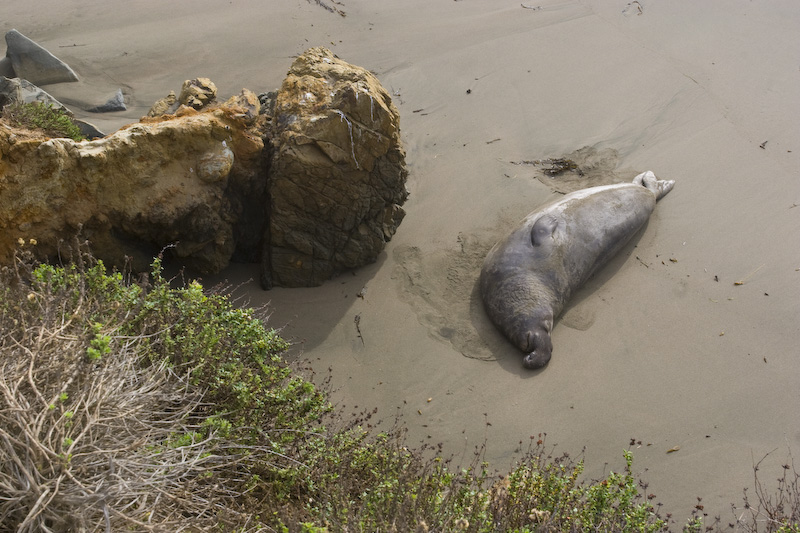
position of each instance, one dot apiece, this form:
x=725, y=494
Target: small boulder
x=6, y=70
x=115, y=103
x=33, y=63
x=164, y=106
x=197, y=93
x=247, y=102
x=88, y=129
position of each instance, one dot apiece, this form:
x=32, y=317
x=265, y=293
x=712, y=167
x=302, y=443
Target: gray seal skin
x=528, y=277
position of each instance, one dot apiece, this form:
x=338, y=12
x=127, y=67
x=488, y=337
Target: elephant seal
x=528, y=277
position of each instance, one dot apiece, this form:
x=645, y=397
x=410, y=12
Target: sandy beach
x=662, y=349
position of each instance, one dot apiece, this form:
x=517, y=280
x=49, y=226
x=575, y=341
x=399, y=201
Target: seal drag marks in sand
x=528, y=277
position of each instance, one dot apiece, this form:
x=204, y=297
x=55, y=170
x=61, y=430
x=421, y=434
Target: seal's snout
x=541, y=348
x=535, y=360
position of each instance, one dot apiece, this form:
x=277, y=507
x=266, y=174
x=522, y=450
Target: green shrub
x=116, y=393
x=372, y=484
x=128, y=407
x=53, y=122
x=230, y=355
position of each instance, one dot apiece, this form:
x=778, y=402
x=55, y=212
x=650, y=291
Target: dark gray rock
x=13, y=90
x=35, y=64
x=115, y=103
x=6, y=70
x=88, y=129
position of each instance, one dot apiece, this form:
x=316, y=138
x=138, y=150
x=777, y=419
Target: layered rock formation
x=156, y=183
x=337, y=179
x=310, y=186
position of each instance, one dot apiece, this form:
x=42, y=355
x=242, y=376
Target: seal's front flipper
x=542, y=231
x=659, y=187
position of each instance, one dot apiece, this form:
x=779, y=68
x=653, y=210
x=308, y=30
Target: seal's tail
x=659, y=187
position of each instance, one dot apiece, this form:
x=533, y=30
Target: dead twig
x=357, y=320
x=751, y=274
x=330, y=8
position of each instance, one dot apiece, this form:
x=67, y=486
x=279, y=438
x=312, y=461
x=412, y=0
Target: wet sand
x=660, y=347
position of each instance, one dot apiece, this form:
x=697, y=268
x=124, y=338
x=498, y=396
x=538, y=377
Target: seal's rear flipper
x=659, y=187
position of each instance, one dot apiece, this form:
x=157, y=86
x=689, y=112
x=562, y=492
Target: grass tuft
x=53, y=122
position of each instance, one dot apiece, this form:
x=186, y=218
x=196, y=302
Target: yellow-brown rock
x=197, y=93
x=181, y=181
x=163, y=106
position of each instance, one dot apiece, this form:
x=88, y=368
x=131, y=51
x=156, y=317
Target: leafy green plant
x=111, y=386
x=54, y=122
x=231, y=356
x=99, y=345
x=111, y=392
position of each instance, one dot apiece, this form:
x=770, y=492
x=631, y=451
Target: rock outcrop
x=26, y=59
x=16, y=90
x=337, y=177
x=164, y=105
x=196, y=93
x=310, y=186
x=164, y=181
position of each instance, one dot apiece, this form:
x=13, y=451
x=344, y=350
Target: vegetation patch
x=147, y=407
x=53, y=122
